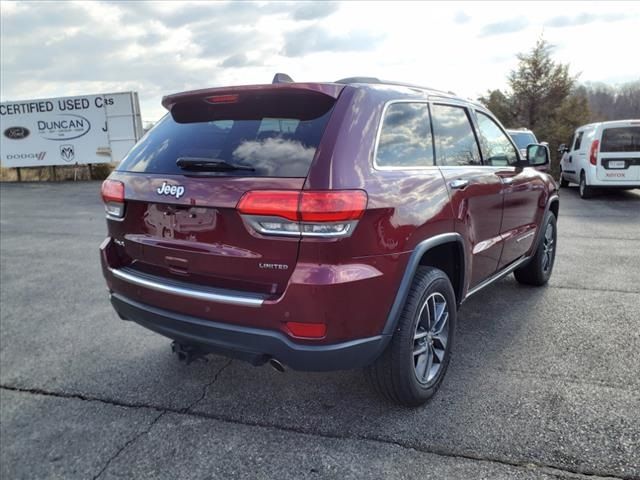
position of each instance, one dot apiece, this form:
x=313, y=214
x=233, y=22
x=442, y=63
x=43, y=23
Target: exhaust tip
x=276, y=365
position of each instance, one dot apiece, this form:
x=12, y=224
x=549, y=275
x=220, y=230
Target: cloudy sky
x=71, y=48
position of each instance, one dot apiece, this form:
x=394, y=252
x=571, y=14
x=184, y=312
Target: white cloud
x=68, y=48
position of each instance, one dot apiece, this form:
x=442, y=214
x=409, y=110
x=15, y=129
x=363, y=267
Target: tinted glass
x=273, y=146
x=497, y=149
x=454, y=138
x=578, y=142
x=523, y=139
x=625, y=139
x=405, y=137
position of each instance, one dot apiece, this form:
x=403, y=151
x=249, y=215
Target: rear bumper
x=251, y=344
x=616, y=185
x=351, y=299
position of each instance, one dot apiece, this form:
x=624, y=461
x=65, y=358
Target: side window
x=497, y=150
x=405, y=136
x=576, y=145
x=455, y=142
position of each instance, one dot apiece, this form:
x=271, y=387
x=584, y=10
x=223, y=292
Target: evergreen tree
x=500, y=106
x=543, y=97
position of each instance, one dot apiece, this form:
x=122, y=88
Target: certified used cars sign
x=68, y=129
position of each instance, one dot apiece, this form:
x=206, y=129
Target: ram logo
x=67, y=153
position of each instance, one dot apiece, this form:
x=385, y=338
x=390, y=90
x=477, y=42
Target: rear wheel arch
x=448, y=257
x=554, y=206
x=446, y=242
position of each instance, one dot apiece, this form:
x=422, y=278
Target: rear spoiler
x=329, y=89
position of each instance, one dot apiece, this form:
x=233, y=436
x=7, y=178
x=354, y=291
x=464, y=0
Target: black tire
x=538, y=271
x=395, y=373
x=563, y=183
x=584, y=190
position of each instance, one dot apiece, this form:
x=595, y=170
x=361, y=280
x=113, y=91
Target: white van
x=602, y=155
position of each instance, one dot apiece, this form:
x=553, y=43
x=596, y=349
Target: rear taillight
x=332, y=213
x=113, y=198
x=593, y=155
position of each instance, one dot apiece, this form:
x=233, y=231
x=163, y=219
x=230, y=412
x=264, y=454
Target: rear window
x=523, y=139
x=623, y=139
x=277, y=136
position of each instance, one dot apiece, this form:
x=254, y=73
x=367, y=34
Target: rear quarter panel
x=404, y=206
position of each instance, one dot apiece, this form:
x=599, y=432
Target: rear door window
x=277, y=137
x=405, y=136
x=620, y=139
x=455, y=142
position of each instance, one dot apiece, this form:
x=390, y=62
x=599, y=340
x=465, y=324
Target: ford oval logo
x=16, y=133
x=64, y=126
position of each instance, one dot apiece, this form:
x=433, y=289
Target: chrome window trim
x=210, y=296
x=384, y=168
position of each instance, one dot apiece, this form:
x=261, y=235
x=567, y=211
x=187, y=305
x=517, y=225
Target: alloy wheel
x=430, y=338
x=548, y=248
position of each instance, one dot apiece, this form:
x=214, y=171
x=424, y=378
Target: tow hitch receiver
x=187, y=353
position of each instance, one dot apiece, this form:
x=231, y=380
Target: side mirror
x=538, y=156
x=562, y=149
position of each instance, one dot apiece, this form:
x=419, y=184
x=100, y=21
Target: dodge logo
x=16, y=133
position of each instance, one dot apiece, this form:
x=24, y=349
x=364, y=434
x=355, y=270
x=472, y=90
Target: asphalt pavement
x=543, y=383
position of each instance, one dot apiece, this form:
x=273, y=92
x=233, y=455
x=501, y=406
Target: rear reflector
x=307, y=330
x=232, y=98
x=593, y=154
x=308, y=213
x=113, y=197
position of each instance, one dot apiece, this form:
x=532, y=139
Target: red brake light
x=310, y=206
x=307, y=330
x=593, y=155
x=274, y=203
x=231, y=98
x=112, y=191
x=332, y=206
x=332, y=213
x=113, y=198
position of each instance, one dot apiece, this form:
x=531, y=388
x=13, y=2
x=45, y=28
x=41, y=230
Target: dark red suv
x=324, y=226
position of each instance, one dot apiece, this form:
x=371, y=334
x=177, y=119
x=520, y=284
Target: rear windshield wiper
x=209, y=165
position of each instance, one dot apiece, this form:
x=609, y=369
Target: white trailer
x=69, y=130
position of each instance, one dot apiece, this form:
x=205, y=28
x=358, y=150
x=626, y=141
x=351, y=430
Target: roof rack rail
x=389, y=82
x=359, y=80
x=282, y=78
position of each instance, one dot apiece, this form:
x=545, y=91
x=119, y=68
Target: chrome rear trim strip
x=174, y=289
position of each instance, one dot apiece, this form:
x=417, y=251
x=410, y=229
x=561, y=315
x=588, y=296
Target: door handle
x=458, y=183
x=507, y=180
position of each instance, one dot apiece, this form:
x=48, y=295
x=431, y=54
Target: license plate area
x=616, y=164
